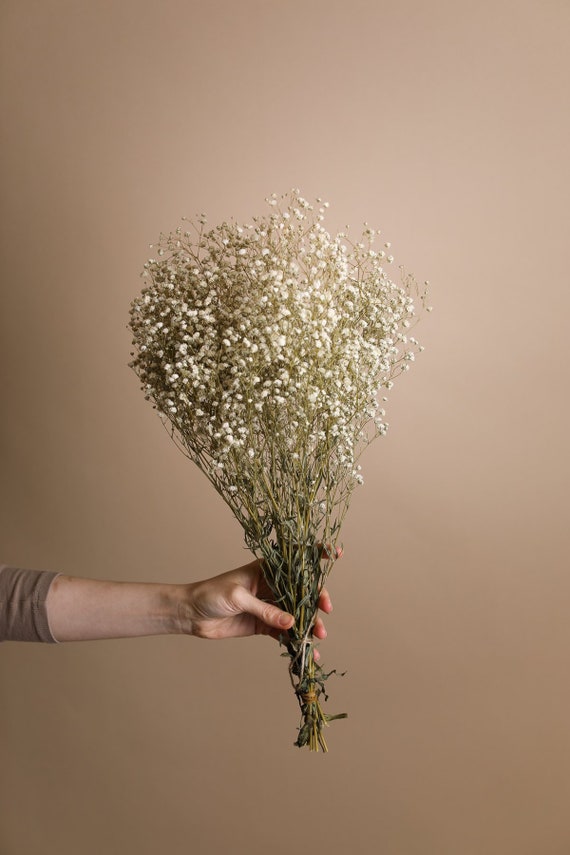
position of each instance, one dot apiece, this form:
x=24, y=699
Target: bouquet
x=266, y=349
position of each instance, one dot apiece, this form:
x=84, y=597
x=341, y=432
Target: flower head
x=265, y=346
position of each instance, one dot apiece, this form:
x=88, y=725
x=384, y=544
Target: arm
x=234, y=604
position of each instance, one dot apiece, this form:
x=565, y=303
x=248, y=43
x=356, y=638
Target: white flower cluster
x=265, y=346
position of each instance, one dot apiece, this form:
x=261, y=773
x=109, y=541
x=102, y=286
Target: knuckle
x=267, y=614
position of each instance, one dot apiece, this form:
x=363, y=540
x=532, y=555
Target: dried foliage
x=264, y=347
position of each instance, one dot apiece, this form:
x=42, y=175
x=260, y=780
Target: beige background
x=446, y=125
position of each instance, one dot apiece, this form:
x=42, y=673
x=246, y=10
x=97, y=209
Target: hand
x=237, y=604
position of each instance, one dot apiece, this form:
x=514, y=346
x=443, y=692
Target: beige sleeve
x=23, y=614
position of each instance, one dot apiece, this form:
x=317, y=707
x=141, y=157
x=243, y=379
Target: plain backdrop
x=446, y=125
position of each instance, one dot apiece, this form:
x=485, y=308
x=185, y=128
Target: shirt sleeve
x=23, y=613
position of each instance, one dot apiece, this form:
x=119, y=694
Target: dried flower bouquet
x=264, y=348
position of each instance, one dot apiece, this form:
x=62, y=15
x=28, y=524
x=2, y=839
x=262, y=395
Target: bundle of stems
x=264, y=348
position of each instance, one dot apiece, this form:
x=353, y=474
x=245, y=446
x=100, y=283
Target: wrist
x=181, y=613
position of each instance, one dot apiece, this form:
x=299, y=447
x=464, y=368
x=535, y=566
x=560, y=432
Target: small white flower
x=268, y=348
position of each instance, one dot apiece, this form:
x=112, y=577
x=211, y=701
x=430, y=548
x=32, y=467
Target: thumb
x=269, y=614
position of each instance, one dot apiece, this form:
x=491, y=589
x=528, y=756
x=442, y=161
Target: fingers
x=268, y=614
x=274, y=621
x=326, y=551
x=278, y=620
x=319, y=630
x=325, y=603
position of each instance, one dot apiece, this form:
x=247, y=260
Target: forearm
x=87, y=609
x=43, y=606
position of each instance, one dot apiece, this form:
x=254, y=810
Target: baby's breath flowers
x=265, y=348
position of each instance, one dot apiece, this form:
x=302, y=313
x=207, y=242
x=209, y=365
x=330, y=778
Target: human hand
x=239, y=603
